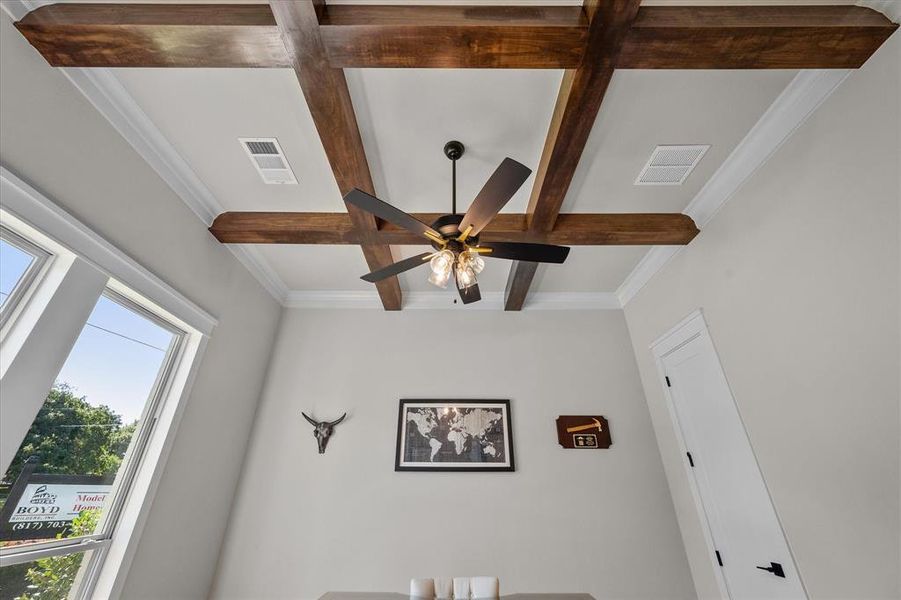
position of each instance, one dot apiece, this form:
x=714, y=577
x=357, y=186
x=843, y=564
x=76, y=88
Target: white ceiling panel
x=647, y=108
x=203, y=112
x=407, y=115
x=589, y=269
x=317, y=267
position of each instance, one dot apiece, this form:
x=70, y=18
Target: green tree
x=70, y=436
x=52, y=578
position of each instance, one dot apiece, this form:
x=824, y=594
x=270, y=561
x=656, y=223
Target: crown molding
x=365, y=299
x=801, y=97
x=890, y=8
x=104, y=90
x=16, y=9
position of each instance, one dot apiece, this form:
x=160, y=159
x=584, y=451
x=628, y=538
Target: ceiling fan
x=455, y=237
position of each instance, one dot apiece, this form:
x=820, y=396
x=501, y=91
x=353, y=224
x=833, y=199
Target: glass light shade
x=442, y=262
x=466, y=277
x=476, y=261
x=440, y=278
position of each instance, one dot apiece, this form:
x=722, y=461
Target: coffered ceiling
x=406, y=115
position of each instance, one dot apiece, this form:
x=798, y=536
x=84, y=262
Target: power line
x=89, y=324
x=116, y=333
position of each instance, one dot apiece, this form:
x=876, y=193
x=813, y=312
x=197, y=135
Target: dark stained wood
x=753, y=37
x=155, y=35
x=328, y=99
x=661, y=37
x=578, y=101
x=583, y=432
x=246, y=35
x=577, y=229
x=454, y=36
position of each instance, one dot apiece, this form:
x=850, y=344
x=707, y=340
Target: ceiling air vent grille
x=670, y=165
x=269, y=160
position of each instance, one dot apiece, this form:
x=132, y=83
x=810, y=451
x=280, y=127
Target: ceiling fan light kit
x=455, y=237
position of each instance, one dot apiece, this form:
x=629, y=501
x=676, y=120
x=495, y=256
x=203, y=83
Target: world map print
x=454, y=435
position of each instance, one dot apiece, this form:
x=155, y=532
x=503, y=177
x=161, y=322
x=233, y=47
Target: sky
x=118, y=354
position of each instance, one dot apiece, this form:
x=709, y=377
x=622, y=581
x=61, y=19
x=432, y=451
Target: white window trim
x=23, y=287
x=35, y=209
x=28, y=212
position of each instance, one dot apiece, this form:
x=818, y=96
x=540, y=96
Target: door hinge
x=668, y=384
x=719, y=558
x=691, y=461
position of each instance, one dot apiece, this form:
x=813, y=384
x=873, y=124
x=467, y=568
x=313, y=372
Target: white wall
x=798, y=277
x=54, y=139
x=590, y=521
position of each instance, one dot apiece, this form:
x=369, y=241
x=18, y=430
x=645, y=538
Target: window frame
x=39, y=258
x=37, y=219
x=101, y=538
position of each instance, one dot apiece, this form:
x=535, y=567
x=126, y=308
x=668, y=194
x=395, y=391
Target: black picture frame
x=509, y=463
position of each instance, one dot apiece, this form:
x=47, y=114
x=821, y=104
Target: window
x=96, y=365
x=20, y=262
x=72, y=471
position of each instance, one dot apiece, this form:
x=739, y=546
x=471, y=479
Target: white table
x=395, y=596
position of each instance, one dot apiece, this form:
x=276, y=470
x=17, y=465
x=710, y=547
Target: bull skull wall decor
x=323, y=429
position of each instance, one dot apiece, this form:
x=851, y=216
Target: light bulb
x=466, y=277
x=476, y=261
x=440, y=279
x=442, y=262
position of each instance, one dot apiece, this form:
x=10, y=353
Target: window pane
x=50, y=578
x=14, y=263
x=69, y=459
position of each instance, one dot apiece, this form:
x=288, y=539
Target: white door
x=743, y=524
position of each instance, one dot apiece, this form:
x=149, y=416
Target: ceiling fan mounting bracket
x=454, y=150
x=449, y=228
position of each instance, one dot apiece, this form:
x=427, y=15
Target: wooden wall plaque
x=582, y=432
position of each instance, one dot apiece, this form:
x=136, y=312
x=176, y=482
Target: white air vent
x=670, y=165
x=269, y=160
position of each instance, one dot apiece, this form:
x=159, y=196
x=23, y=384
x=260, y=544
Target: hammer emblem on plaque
x=583, y=432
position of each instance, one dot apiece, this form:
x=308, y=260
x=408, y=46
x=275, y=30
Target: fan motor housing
x=449, y=228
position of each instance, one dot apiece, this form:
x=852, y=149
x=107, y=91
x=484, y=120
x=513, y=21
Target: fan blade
x=498, y=190
x=398, y=267
x=470, y=294
x=543, y=253
x=467, y=295
x=385, y=211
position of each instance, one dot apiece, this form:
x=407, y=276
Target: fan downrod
x=454, y=150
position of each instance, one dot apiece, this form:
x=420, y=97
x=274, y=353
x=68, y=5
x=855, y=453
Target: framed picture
x=454, y=435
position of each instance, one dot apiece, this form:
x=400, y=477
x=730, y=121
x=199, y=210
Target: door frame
x=693, y=326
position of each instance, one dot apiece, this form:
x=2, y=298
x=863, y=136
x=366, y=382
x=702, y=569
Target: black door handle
x=775, y=569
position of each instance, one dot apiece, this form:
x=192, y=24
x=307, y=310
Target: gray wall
x=566, y=520
x=798, y=277
x=54, y=139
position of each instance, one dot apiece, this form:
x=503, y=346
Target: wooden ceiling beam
x=577, y=229
x=156, y=35
x=246, y=35
x=525, y=37
x=578, y=101
x=753, y=37
x=328, y=99
x=661, y=37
